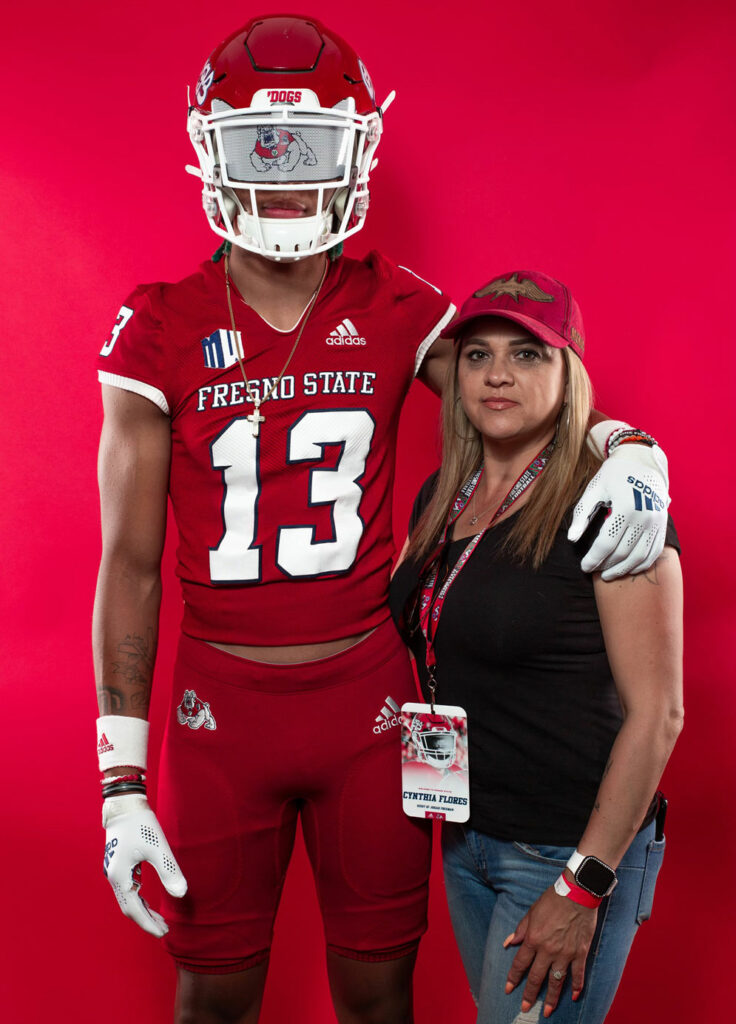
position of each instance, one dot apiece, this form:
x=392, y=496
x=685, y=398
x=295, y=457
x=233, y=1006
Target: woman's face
x=512, y=385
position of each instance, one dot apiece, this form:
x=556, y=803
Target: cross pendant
x=256, y=419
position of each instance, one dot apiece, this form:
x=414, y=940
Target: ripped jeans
x=491, y=884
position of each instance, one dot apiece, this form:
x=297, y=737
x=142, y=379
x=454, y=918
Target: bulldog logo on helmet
x=280, y=149
x=195, y=712
x=517, y=289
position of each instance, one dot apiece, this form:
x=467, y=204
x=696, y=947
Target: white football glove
x=633, y=484
x=133, y=835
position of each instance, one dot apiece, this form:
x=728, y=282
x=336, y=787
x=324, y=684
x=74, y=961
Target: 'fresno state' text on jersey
x=284, y=534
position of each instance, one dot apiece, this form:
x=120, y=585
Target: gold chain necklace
x=255, y=418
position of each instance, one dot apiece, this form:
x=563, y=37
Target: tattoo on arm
x=606, y=770
x=651, y=576
x=110, y=701
x=134, y=671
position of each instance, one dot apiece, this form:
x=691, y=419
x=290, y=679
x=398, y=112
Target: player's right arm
x=133, y=471
x=133, y=475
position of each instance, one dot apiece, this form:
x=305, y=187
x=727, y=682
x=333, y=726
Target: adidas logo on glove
x=651, y=499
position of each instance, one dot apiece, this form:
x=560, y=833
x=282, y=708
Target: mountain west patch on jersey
x=285, y=535
x=220, y=349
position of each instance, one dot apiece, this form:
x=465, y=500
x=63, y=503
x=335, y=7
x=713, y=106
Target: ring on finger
x=558, y=975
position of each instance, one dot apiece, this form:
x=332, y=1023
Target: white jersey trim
x=427, y=343
x=136, y=386
x=423, y=279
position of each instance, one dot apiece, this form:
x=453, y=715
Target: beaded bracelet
x=122, y=778
x=628, y=437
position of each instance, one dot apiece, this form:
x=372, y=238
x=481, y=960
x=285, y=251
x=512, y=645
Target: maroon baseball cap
x=539, y=303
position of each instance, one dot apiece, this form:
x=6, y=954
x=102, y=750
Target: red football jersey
x=285, y=536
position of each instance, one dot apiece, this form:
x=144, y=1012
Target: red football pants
x=251, y=747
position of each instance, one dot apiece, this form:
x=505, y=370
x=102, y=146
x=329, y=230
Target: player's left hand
x=632, y=483
x=554, y=938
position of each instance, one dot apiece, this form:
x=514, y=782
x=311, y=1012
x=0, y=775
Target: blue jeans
x=491, y=884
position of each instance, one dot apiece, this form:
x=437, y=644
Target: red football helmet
x=284, y=105
x=434, y=739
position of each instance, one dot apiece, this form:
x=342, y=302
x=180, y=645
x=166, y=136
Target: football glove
x=132, y=836
x=633, y=484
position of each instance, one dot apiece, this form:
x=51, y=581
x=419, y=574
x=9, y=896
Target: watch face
x=595, y=876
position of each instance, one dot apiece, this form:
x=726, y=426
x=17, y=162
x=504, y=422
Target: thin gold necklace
x=255, y=418
x=476, y=515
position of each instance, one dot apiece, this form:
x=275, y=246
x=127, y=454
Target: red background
x=590, y=140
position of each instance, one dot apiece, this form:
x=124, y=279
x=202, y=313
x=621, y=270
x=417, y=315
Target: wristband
x=573, y=892
x=121, y=741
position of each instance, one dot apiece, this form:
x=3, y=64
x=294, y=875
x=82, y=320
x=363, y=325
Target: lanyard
x=430, y=607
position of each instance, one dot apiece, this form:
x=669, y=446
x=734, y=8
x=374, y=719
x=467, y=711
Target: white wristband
x=121, y=741
x=599, y=434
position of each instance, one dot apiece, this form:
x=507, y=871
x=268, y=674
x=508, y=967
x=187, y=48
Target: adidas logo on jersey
x=345, y=334
x=387, y=718
x=104, y=746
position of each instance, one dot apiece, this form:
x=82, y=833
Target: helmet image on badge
x=434, y=762
x=434, y=739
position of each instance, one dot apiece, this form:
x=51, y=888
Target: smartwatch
x=592, y=875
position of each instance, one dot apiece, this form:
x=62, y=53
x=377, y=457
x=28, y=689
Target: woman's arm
x=641, y=618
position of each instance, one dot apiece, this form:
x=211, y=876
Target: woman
x=571, y=685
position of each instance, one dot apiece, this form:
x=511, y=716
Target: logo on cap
x=525, y=289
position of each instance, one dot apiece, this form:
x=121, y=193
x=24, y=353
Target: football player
x=262, y=394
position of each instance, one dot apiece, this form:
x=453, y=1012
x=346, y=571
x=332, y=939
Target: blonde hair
x=569, y=469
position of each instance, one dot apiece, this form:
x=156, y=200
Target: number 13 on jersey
x=235, y=451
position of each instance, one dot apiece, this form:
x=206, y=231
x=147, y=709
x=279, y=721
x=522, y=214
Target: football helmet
x=434, y=739
x=283, y=106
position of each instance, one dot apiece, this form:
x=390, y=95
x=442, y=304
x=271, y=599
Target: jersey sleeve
x=132, y=356
x=427, y=308
x=420, y=311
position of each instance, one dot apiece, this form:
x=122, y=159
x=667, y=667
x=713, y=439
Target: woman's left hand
x=555, y=936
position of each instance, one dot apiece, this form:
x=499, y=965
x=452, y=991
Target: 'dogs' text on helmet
x=284, y=105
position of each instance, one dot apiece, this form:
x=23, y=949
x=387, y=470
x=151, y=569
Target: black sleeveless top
x=522, y=651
